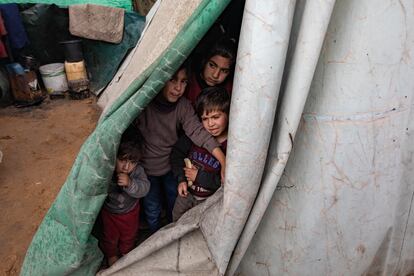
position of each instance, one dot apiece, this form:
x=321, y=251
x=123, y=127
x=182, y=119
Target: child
x=216, y=69
x=159, y=124
x=121, y=208
x=212, y=107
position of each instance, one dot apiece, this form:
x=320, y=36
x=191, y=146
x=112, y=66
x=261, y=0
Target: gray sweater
x=121, y=200
x=160, y=132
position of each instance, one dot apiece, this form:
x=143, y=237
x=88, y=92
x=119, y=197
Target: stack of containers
x=76, y=75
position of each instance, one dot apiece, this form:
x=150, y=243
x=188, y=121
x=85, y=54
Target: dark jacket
x=208, y=176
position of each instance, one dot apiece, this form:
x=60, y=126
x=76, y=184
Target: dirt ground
x=39, y=145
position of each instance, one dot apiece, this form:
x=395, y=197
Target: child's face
x=215, y=122
x=175, y=87
x=125, y=165
x=216, y=70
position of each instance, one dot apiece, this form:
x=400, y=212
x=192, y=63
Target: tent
x=319, y=161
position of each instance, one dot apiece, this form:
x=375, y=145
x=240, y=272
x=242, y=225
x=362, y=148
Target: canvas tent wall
x=339, y=203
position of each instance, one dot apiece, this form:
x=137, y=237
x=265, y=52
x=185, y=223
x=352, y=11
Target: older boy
x=212, y=107
x=159, y=124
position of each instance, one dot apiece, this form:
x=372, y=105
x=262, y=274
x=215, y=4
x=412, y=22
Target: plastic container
x=54, y=77
x=75, y=70
x=73, y=50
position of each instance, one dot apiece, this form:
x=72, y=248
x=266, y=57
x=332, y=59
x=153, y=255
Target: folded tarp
x=96, y=22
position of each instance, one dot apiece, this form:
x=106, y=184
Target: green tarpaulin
x=63, y=243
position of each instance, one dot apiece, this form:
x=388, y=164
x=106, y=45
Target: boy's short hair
x=130, y=147
x=212, y=99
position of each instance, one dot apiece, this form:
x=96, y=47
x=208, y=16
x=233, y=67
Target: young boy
x=212, y=107
x=216, y=69
x=120, y=212
x=159, y=124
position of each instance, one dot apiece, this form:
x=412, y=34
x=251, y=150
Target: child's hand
x=123, y=180
x=191, y=173
x=182, y=189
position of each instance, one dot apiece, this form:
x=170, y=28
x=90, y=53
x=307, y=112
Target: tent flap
x=343, y=203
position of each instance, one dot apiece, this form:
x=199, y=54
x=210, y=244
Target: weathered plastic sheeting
x=307, y=39
x=260, y=61
x=180, y=257
x=163, y=28
x=177, y=249
x=257, y=81
x=344, y=202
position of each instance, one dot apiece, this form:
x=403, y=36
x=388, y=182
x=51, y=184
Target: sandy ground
x=39, y=145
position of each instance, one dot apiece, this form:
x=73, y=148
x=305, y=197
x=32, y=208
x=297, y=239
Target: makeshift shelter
x=319, y=162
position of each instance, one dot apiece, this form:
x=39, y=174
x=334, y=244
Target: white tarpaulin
x=319, y=176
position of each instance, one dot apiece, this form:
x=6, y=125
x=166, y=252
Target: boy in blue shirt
x=212, y=107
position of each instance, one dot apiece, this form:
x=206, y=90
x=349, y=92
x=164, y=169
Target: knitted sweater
x=160, y=127
x=121, y=200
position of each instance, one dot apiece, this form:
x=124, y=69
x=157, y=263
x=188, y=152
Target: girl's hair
x=213, y=98
x=225, y=47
